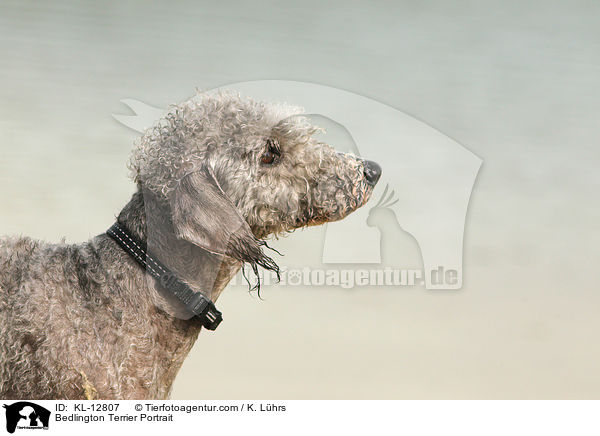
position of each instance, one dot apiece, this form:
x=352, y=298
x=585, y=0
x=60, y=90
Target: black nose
x=372, y=172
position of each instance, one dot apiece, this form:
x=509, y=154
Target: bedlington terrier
x=215, y=177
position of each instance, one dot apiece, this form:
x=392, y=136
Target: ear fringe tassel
x=266, y=263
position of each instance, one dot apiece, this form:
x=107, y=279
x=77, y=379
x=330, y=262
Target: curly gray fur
x=85, y=321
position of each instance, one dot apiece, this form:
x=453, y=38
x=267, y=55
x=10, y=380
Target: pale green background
x=518, y=83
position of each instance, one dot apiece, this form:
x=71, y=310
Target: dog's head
x=233, y=171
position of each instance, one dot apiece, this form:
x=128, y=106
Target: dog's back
x=16, y=254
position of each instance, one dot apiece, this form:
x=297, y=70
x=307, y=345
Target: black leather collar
x=195, y=302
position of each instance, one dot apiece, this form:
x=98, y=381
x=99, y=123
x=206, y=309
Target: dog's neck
x=144, y=216
x=150, y=372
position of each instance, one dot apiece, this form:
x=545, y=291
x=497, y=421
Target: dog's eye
x=272, y=153
x=268, y=157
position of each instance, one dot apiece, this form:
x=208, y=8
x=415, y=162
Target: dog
x=215, y=177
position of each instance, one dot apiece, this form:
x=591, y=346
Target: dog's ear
x=203, y=215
